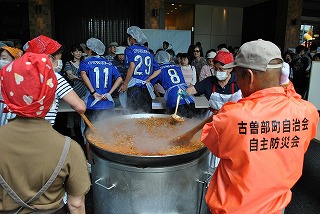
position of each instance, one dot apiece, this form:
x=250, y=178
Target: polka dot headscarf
x=28, y=85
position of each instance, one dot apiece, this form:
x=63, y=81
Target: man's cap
x=113, y=44
x=211, y=55
x=224, y=57
x=83, y=46
x=28, y=85
x=42, y=45
x=120, y=50
x=15, y=52
x=96, y=46
x=257, y=55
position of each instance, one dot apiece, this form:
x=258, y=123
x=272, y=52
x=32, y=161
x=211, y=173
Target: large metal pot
x=149, y=184
x=145, y=161
x=126, y=189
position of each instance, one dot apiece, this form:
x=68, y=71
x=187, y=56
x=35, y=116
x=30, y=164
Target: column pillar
x=288, y=23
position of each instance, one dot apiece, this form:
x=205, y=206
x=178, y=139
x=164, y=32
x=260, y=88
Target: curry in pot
x=143, y=137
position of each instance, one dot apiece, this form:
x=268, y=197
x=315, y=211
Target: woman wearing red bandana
x=46, y=45
x=37, y=165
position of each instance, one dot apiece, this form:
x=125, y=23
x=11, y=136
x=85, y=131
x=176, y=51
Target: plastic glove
x=109, y=97
x=183, y=93
x=151, y=90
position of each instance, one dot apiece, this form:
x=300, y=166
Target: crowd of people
x=251, y=101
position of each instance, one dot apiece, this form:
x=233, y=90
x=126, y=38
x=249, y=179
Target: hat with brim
x=120, y=50
x=113, y=44
x=211, y=55
x=256, y=55
x=223, y=57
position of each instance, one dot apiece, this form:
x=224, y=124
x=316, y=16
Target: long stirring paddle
x=186, y=137
x=87, y=121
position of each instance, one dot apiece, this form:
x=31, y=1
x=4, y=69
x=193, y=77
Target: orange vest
x=261, y=141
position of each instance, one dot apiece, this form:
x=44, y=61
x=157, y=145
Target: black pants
x=139, y=100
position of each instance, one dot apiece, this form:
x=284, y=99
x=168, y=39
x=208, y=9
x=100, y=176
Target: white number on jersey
x=174, y=76
x=106, y=76
x=147, y=61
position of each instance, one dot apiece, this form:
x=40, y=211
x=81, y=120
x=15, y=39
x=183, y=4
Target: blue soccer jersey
x=171, y=79
x=144, y=61
x=101, y=73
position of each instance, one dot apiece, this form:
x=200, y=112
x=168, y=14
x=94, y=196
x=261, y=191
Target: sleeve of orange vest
x=210, y=137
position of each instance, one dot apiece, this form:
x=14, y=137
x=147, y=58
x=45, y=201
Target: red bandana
x=43, y=44
x=28, y=85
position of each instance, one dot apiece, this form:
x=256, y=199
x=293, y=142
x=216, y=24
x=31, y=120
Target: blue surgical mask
x=3, y=63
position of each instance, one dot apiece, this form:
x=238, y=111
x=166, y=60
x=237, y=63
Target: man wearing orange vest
x=261, y=139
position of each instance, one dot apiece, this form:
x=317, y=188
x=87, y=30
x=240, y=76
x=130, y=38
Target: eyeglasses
x=196, y=51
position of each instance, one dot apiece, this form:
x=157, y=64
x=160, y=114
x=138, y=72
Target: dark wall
x=259, y=21
x=14, y=22
x=75, y=21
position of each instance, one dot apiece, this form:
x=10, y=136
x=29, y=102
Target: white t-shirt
x=63, y=88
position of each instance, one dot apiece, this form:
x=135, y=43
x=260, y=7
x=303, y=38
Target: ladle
x=175, y=116
x=186, y=137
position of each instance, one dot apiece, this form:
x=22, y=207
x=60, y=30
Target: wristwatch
x=92, y=93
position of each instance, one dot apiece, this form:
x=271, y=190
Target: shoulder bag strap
x=54, y=175
x=56, y=171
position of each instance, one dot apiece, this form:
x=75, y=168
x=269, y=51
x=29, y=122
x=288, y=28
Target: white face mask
x=3, y=63
x=59, y=66
x=221, y=75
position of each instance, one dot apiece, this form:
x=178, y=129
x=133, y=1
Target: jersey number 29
x=146, y=61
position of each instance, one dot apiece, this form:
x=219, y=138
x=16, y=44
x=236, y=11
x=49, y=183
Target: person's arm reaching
x=75, y=102
x=128, y=77
x=191, y=90
x=115, y=85
x=87, y=82
x=76, y=204
x=153, y=75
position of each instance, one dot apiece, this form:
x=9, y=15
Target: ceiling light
x=172, y=4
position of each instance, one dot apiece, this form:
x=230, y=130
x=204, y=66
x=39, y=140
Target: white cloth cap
x=211, y=55
x=96, y=45
x=162, y=57
x=137, y=34
x=120, y=50
x=256, y=55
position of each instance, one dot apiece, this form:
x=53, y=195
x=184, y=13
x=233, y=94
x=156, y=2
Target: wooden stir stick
x=87, y=121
